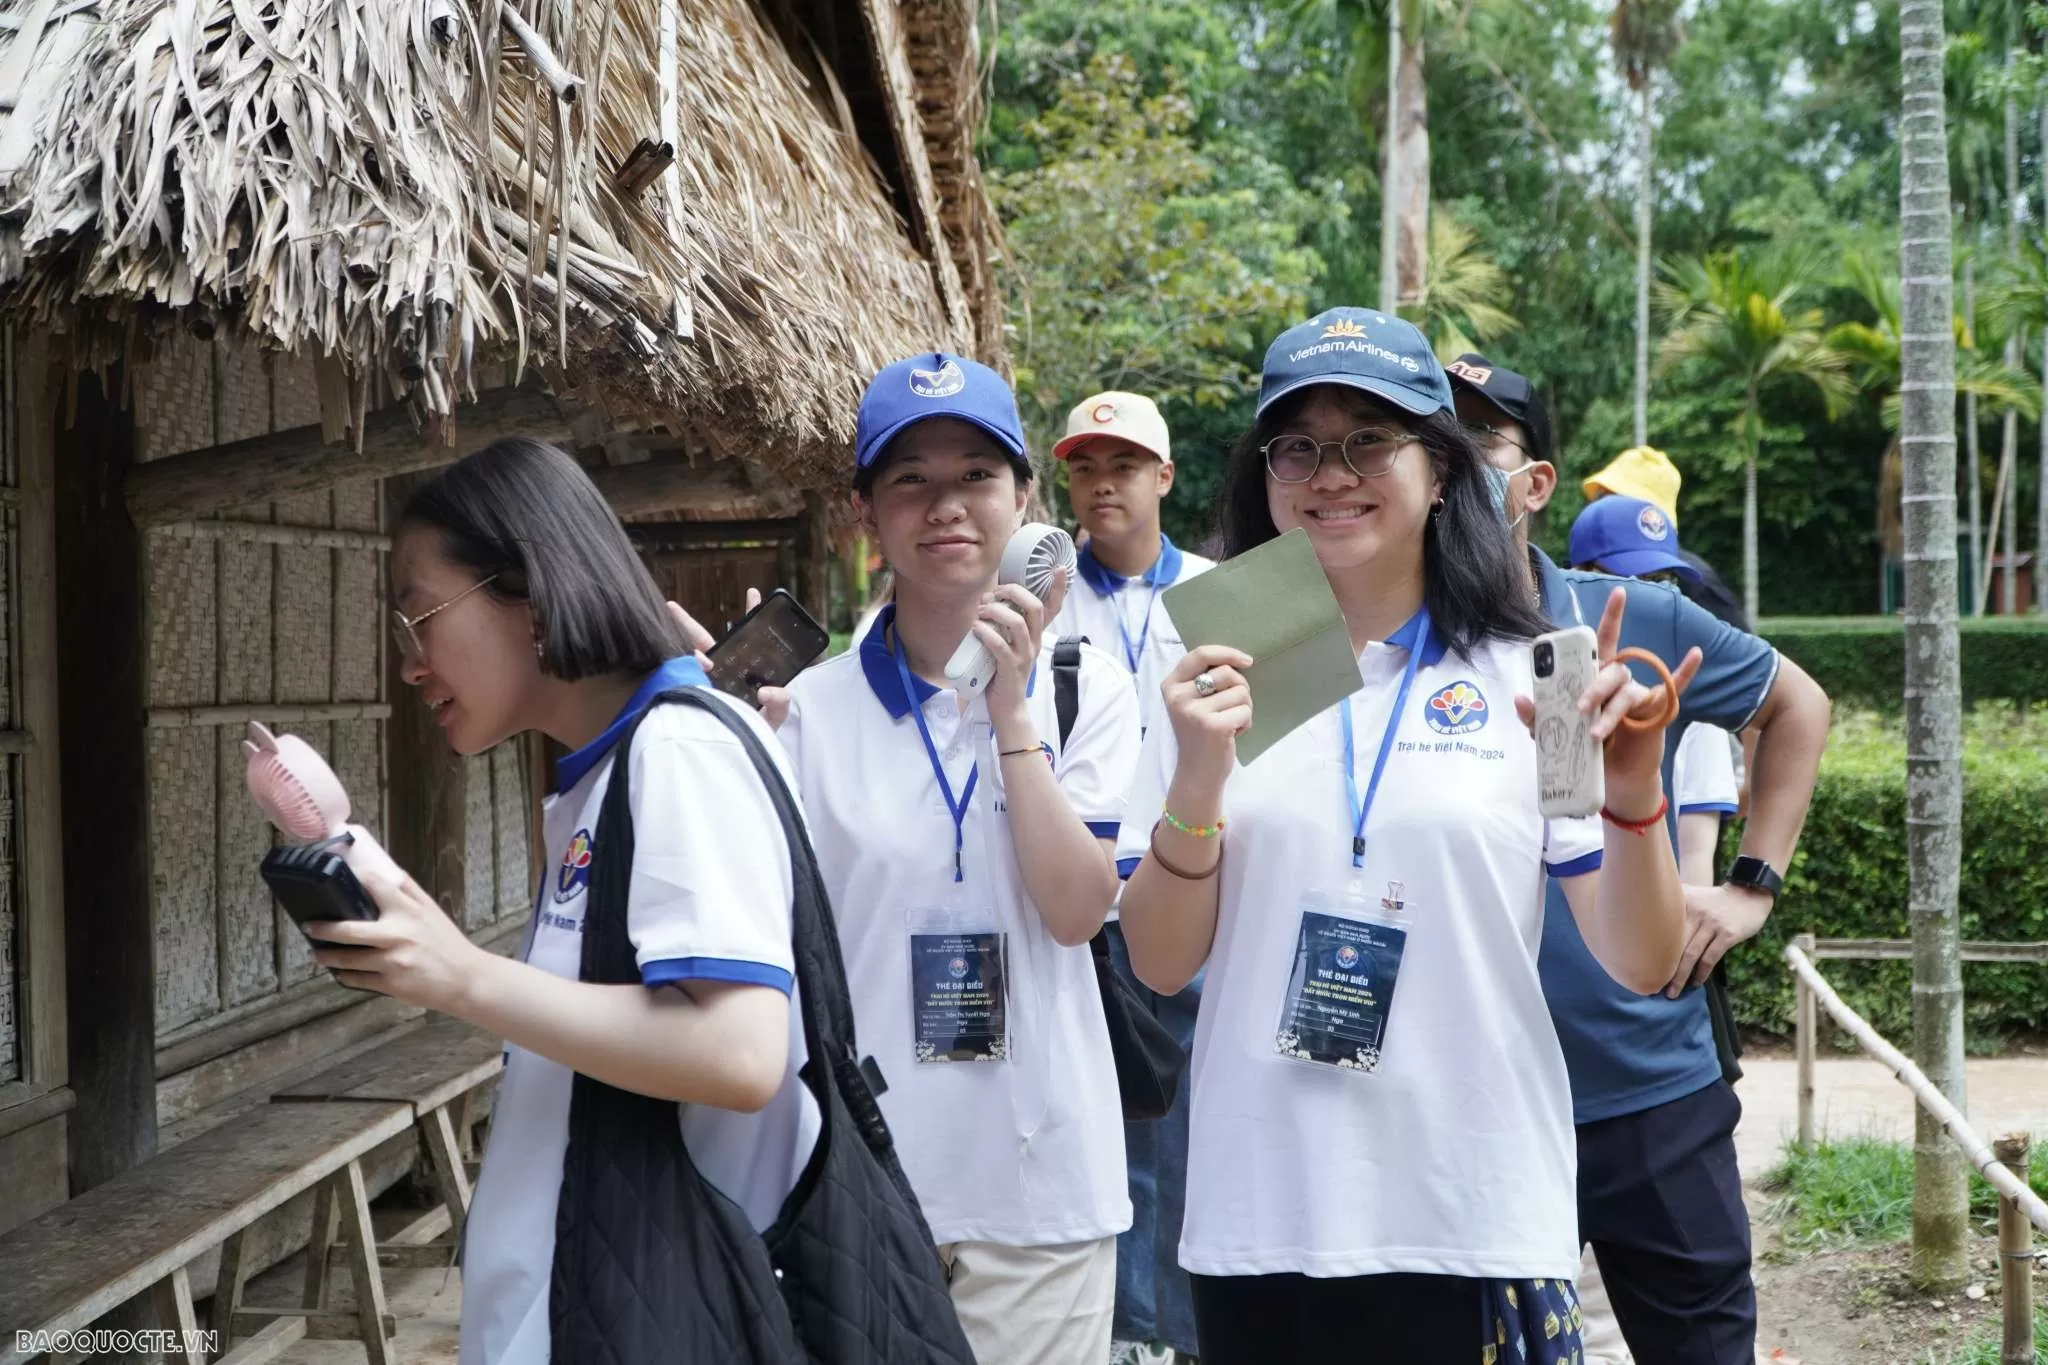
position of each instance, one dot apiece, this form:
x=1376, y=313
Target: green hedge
x=1849, y=878
x=1861, y=660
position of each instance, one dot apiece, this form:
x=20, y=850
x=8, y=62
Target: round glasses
x=1485, y=432
x=1368, y=452
x=405, y=629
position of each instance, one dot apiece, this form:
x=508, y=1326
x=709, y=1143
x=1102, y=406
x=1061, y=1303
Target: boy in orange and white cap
x=1119, y=460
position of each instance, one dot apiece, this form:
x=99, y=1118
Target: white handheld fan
x=1035, y=554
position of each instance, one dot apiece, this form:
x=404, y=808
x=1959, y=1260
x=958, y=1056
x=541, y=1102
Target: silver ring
x=1205, y=685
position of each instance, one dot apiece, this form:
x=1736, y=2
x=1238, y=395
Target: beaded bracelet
x=1197, y=831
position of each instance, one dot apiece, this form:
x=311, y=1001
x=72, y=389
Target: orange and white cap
x=1131, y=416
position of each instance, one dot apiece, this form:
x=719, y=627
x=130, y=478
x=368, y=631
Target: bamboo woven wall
x=234, y=621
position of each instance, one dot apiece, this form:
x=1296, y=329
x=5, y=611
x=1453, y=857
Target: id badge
x=959, y=993
x=1340, y=985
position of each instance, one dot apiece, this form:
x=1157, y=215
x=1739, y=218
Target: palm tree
x=1934, y=768
x=2020, y=304
x=1742, y=315
x=1646, y=33
x=1463, y=291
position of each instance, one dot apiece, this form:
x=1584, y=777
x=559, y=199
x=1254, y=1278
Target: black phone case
x=315, y=886
x=771, y=645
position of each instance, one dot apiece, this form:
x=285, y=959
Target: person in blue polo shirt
x=1660, y=1199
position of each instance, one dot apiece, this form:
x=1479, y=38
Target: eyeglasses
x=405, y=629
x=1482, y=431
x=1368, y=452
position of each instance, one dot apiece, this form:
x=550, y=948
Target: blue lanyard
x=958, y=809
x=1360, y=809
x=1134, y=653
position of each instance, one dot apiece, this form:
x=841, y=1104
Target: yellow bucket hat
x=1639, y=472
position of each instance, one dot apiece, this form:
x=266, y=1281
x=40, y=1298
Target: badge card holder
x=1340, y=986
x=959, y=989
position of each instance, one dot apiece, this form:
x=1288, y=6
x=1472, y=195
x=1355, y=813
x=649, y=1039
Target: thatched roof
x=382, y=184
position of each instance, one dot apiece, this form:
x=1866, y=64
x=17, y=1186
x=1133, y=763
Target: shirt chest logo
x=574, y=874
x=1456, y=710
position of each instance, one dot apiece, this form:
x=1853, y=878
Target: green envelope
x=1274, y=604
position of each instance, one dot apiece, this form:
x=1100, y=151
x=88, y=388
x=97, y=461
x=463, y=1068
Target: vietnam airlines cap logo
x=1344, y=327
x=1456, y=710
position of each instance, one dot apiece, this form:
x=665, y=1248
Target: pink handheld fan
x=316, y=878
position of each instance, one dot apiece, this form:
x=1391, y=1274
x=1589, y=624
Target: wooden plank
x=185, y=1094
x=25, y=1104
x=444, y=1157
x=174, y=1311
x=718, y=492
x=109, y=940
x=425, y=1067
x=64, y=1269
x=232, y=1277
x=325, y=1325
x=34, y=1172
x=275, y=715
x=326, y=1220
x=284, y=463
x=266, y=1345
x=365, y=1275
x=1900, y=950
x=269, y=533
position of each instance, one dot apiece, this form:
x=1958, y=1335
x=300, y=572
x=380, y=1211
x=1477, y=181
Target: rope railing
x=1914, y=1079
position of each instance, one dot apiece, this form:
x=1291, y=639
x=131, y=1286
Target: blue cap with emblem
x=1360, y=347
x=935, y=384
x=1629, y=537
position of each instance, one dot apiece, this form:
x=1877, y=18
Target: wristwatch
x=1756, y=874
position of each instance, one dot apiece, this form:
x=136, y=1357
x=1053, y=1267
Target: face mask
x=1497, y=489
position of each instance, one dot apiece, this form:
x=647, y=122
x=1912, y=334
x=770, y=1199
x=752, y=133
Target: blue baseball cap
x=1630, y=537
x=1364, y=348
x=935, y=384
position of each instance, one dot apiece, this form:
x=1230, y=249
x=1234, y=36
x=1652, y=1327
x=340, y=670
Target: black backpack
x=1149, y=1061
x=652, y=1263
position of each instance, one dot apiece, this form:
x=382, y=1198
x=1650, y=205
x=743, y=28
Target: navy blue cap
x=1361, y=347
x=935, y=384
x=1628, y=536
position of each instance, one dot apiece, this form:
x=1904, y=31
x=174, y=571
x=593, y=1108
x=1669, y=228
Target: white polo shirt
x=1703, y=771
x=710, y=901
x=1124, y=618
x=1023, y=1152
x=1457, y=1156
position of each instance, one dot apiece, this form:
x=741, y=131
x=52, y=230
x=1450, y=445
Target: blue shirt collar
x=879, y=664
x=679, y=672
x=1108, y=582
x=1433, y=648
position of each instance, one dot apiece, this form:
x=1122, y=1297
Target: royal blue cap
x=1361, y=347
x=935, y=384
x=1628, y=536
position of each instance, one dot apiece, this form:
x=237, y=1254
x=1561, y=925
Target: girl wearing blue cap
x=1381, y=1157
x=968, y=857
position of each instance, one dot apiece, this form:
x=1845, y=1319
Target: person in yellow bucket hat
x=1639, y=472
x=1646, y=472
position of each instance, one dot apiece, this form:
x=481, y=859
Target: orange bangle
x=1666, y=690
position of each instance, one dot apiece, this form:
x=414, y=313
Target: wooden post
x=1805, y=1025
x=2015, y=1259
x=109, y=938
x=814, y=558
x=426, y=815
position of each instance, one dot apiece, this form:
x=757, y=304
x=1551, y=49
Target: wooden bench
x=142, y=1229
x=435, y=1070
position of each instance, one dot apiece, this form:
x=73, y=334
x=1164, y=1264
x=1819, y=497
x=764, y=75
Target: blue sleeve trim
x=1577, y=867
x=1710, y=808
x=1103, y=829
x=1126, y=866
x=670, y=970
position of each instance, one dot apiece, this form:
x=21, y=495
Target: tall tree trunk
x=2009, y=445
x=1752, y=421
x=1934, y=769
x=1390, y=169
x=1974, y=473
x=2041, y=486
x=1644, y=185
x=1412, y=142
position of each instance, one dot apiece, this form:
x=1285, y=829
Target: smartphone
x=1571, y=773
x=315, y=886
x=771, y=645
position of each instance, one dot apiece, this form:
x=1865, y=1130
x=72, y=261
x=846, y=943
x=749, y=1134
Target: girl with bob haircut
x=968, y=858
x=520, y=606
x=1381, y=1151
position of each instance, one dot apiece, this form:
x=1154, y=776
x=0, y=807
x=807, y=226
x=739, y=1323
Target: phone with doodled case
x=771, y=645
x=1571, y=773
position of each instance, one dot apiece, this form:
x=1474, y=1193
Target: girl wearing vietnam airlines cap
x=1392, y=1180
x=521, y=606
x=969, y=863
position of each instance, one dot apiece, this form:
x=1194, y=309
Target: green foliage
x=1463, y=290
x=1137, y=262
x=1849, y=877
x=1861, y=661
x=1986, y=1347
x=1859, y=1191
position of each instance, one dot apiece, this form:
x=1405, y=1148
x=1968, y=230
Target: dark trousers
x=1660, y=1200
x=1361, y=1320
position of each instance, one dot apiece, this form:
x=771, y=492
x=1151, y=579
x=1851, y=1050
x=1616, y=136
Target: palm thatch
x=385, y=184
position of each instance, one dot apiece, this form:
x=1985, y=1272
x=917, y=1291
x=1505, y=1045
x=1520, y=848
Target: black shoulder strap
x=1066, y=683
